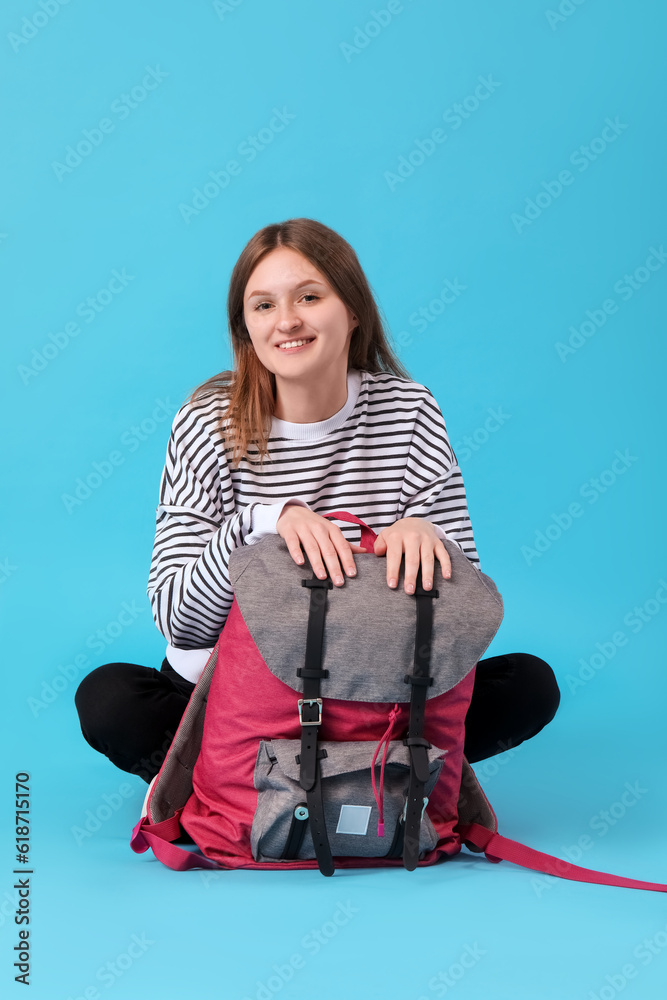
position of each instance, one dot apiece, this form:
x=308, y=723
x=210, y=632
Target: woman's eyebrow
x=310, y=281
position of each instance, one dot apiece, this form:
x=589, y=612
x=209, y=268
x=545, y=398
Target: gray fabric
x=173, y=788
x=346, y=780
x=369, y=628
x=473, y=806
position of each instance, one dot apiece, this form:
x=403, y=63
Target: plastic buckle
x=310, y=701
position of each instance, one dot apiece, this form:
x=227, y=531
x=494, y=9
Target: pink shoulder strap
x=498, y=848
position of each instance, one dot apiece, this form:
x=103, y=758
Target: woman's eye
x=308, y=295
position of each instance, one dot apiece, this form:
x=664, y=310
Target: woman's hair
x=250, y=387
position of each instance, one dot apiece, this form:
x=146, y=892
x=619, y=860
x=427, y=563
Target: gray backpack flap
x=369, y=637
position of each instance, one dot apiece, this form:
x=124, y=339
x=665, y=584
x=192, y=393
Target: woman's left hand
x=416, y=538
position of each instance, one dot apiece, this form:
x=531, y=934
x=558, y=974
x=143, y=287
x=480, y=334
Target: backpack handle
x=368, y=536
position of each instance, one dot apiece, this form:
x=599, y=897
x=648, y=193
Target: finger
x=330, y=553
x=443, y=556
x=293, y=543
x=312, y=549
x=428, y=562
x=394, y=556
x=412, y=554
x=344, y=550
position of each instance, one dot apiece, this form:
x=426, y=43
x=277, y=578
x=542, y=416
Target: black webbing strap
x=310, y=717
x=419, y=680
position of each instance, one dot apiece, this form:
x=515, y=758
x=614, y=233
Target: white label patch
x=353, y=819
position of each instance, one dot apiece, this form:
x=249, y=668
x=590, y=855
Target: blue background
x=361, y=98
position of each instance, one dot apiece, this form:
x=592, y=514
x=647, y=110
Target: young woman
x=318, y=415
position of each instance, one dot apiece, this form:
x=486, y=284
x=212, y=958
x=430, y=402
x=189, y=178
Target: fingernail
x=338, y=580
x=428, y=584
x=352, y=572
x=392, y=582
x=409, y=588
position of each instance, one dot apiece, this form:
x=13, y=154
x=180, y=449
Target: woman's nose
x=287, y=318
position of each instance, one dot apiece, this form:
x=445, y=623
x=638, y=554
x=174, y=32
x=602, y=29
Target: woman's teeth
x=294, y=343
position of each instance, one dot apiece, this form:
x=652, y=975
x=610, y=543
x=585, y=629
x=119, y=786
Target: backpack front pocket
x=280, y=829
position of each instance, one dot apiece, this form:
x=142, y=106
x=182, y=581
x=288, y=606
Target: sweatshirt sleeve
x=265, y=518
x=196, y=530
x=433, y=485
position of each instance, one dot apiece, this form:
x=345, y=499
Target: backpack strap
x=498, y=848
x=419, y=680
x=310, y=717
x=159, y=837
x=368, y=536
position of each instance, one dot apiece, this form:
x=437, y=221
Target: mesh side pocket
x=350, y=809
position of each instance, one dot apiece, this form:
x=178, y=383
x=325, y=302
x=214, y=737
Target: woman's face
x=287, y=299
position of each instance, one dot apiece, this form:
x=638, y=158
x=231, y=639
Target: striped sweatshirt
x=383, y=456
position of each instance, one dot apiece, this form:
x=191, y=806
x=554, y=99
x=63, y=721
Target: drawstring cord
x=385, y=739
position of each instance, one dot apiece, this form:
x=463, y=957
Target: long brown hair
x=250, y=387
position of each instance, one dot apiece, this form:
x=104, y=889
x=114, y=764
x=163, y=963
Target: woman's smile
x=298, y=344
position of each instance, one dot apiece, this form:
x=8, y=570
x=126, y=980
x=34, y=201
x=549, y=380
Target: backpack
x=327, y=727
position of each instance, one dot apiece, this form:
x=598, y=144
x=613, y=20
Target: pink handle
x=368, y=536
x=498, y=848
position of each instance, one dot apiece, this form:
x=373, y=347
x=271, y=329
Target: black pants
x=130, y=713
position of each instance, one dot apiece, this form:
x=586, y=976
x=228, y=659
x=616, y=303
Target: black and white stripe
x=388, y=458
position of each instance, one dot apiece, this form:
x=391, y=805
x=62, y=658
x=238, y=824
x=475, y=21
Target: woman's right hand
x=322, y=541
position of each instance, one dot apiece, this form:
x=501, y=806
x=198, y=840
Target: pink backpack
x=327, y=727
